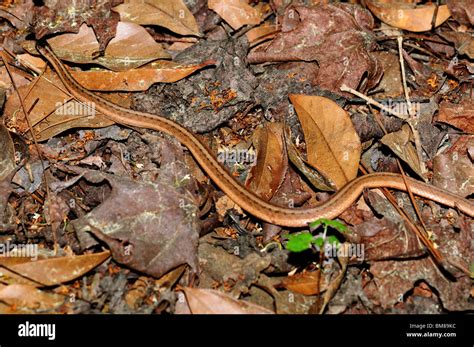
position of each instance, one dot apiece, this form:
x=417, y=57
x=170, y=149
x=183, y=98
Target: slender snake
x=250, y=202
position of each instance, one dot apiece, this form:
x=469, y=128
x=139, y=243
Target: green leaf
x=341, y=227
x=318, y=241
x=338, y=225
x=299, y=242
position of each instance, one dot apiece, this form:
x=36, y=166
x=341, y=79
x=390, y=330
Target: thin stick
x=371, y=101
x=412, y=121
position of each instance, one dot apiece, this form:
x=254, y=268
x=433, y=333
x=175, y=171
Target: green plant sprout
x=303, y=241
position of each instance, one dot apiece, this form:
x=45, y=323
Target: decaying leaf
x=150, y=227
x=29, y=297
x=54, y=111
x=311, y=174
x=337, y=36
x=459, y=115
x=170, y=14
x=48, y=272
x=236, y=12
x=137, y=79
x=403, y=15
x=132, y=47
x=306, y=283
x=209, y=301
x=261, y=33
x=401, y=143
x=7, y=170
x=453, y=170
x=333, y=146
x=272, y=161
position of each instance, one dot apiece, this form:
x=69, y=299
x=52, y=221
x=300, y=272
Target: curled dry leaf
x=132, y=47
x=208, y=301
x=272, y=161
x=464, y=42
x=170, y=14
x=402, y=144
x=403, y=15
x=306, y=283
x=51, y=271
x=333, y=146
x=311, y=174
x=261, y=33
x=236, y=12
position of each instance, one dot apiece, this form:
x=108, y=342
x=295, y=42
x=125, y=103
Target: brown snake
x=250, y=202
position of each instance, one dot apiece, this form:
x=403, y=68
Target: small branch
x=412, y=121
x=371, y=101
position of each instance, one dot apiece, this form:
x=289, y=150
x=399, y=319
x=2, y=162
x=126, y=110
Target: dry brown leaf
x=333, y=146
x=460, y=115
x=305, y=283
x=453, y=169
x=405, y=16
x=77, y=48
x=29, y=297
x=132, y=47
x=208, y=301
x=272, y=161
x=236, y=12
x=390, y=84
x=51, y=271
x=401, y=143
x=137, y=79
x=53, y=112
x=170, y=14
x=311, y=174
x=261, y=33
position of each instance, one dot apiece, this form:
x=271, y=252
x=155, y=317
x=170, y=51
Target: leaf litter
x=118, y=215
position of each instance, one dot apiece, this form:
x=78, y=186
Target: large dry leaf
x=170, y=14
x=333, y=146
x=338, y=36
x=462, y=11
x=137, y=79
x=453, y=169
x=51, y=271
x=149, y=227
x=464, y=42
x=209, y=301
x=459, y=115
x=272, y=161
x=132, y=47
x=405, y=16
x=78, y=48
x=236, y=12
x=54, y=111
x=28, y=297
x=401, y=143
